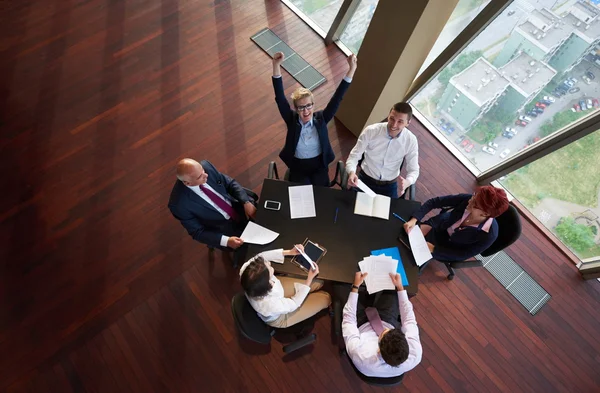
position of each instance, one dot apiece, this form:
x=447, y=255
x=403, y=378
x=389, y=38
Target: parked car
x=465, y=143
x=589, y=103
x=493, y=145
x=574, y=90
x=577, y=108
x=488, y=150
x=511, y=130
x=540, y=105
x=450, y=130
x=469, y=147
x=538, y=110
x=590, y=75
x=548, y=98
x=444, y=126
x=546, y=102
x=595, y=103
x=459, y=139
x=532, y=113
x=442, y=121
x=525, y=118
x=511, y=12
x=582, y=105
x=521, y=123
x=587, y=80
x=508, y=134
x=504, y=153
x=556, y=94
x=573, y=80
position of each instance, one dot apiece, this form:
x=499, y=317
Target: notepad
x=373, y=207
x=394, y=253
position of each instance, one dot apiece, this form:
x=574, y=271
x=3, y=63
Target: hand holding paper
x=256, y=234
x=418, y=246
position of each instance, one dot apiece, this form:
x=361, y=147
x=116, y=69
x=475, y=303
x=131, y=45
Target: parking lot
x=525, y=135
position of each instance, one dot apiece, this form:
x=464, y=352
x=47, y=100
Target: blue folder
x=394, y=253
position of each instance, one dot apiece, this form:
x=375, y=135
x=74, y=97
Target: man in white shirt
x=375, y=341
x=385, y=146
x=212, y=207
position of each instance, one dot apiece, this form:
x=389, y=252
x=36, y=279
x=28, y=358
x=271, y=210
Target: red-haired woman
x=466, y=230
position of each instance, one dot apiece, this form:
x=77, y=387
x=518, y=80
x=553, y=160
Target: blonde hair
x=301, y=93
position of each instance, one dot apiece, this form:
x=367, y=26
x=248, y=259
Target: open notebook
x=379, y=206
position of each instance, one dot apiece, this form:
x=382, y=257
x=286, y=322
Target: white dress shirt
x=362, y=343
x=202, y=194
x=274, y=304
x=384, y=154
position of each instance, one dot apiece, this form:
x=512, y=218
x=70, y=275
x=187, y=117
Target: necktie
x=374, y=320
x=220, y=202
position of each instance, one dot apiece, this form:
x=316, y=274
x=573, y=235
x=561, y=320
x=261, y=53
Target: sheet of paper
x=379, y=269
x=381, y=207
x=364, y=188
x=394, y=253
x=364, y=204
x=418, y=246
x=302, y=202
x=256, y=234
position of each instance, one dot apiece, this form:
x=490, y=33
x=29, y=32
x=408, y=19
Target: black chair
x=340, y=294
x=509, y=230
x=253, y=328
x=272, y=172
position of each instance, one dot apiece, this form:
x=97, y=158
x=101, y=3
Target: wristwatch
x=354, y=287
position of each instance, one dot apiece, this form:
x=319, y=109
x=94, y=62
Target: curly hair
x=256, y=279
x=301, y=93
x=491, y=200
x=394, y=347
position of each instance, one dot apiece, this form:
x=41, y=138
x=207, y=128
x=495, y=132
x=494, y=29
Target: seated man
x=466, y=230
x=375, y=341
x=212, y=206
x=385, y=146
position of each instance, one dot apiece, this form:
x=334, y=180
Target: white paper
x=302, y=202
x=256, y=234
x=373, y=207
x=364, y=188
x=379, y=268
x=418, y=246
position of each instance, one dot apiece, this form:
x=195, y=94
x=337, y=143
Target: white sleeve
x=410, y=330
x=349, y=328
x=412, y=161
x=357, y=151
x=271, y=255
x=284, y=305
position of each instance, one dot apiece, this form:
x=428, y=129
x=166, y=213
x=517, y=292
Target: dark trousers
x=390, y=190
x=309, y=171
x=386, y=303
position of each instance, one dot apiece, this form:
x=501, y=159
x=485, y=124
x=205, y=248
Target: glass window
x=463, y=14
x=357, y=26
x=321, y=12
x=562, y=190
x=529, y=73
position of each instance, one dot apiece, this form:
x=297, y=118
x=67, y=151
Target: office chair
x=237, y=255
x=340, y=294
x=253, y=328
x=272, y=172
x=509, y=230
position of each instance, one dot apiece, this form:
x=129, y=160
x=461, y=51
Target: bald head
x=191, y=173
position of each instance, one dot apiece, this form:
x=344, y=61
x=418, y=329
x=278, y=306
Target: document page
x=364, y=188
x=418, y=246
x=364, y=204
x=256, y=234
x=302, y=202
x=379, y=268
x=381, y=207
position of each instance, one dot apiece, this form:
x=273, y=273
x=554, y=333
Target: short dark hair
x=394, y=347
x=256, y=279
x=403, y=107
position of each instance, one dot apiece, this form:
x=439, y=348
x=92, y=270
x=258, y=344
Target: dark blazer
x=320, y=120
x=465, y=242
x=200, y=219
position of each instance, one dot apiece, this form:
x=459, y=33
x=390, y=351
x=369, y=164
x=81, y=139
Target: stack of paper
x=379, y=268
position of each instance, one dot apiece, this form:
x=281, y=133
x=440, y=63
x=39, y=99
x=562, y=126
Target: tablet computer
x=314, y=251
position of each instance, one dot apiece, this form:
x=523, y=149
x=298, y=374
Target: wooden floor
x=101, y=290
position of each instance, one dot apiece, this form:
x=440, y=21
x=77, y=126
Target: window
x=507, y=102
x=355, y=30
x=562, y=191
x=320, y=12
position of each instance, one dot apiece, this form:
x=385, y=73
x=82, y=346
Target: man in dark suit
x=212, y=207
x=307, y=150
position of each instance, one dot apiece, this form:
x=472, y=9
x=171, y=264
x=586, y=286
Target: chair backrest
x=248, y=322
x=375, y=381
x=509, y=230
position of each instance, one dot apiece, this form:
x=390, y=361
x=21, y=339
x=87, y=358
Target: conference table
x=348, y=238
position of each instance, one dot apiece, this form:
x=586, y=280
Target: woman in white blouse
x=284, y=301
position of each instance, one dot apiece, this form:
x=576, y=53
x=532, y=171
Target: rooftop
x=526, y=74
x=584, y=12
x=481, y=81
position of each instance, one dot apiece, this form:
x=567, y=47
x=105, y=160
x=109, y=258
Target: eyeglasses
x=303, y=107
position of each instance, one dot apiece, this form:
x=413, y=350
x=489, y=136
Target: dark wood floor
x=102, y=290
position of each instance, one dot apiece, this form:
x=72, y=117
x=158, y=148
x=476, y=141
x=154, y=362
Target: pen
x=398, y=217
x=336, y=212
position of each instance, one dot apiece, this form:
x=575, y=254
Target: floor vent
x=520, y=284
x=299, y=68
